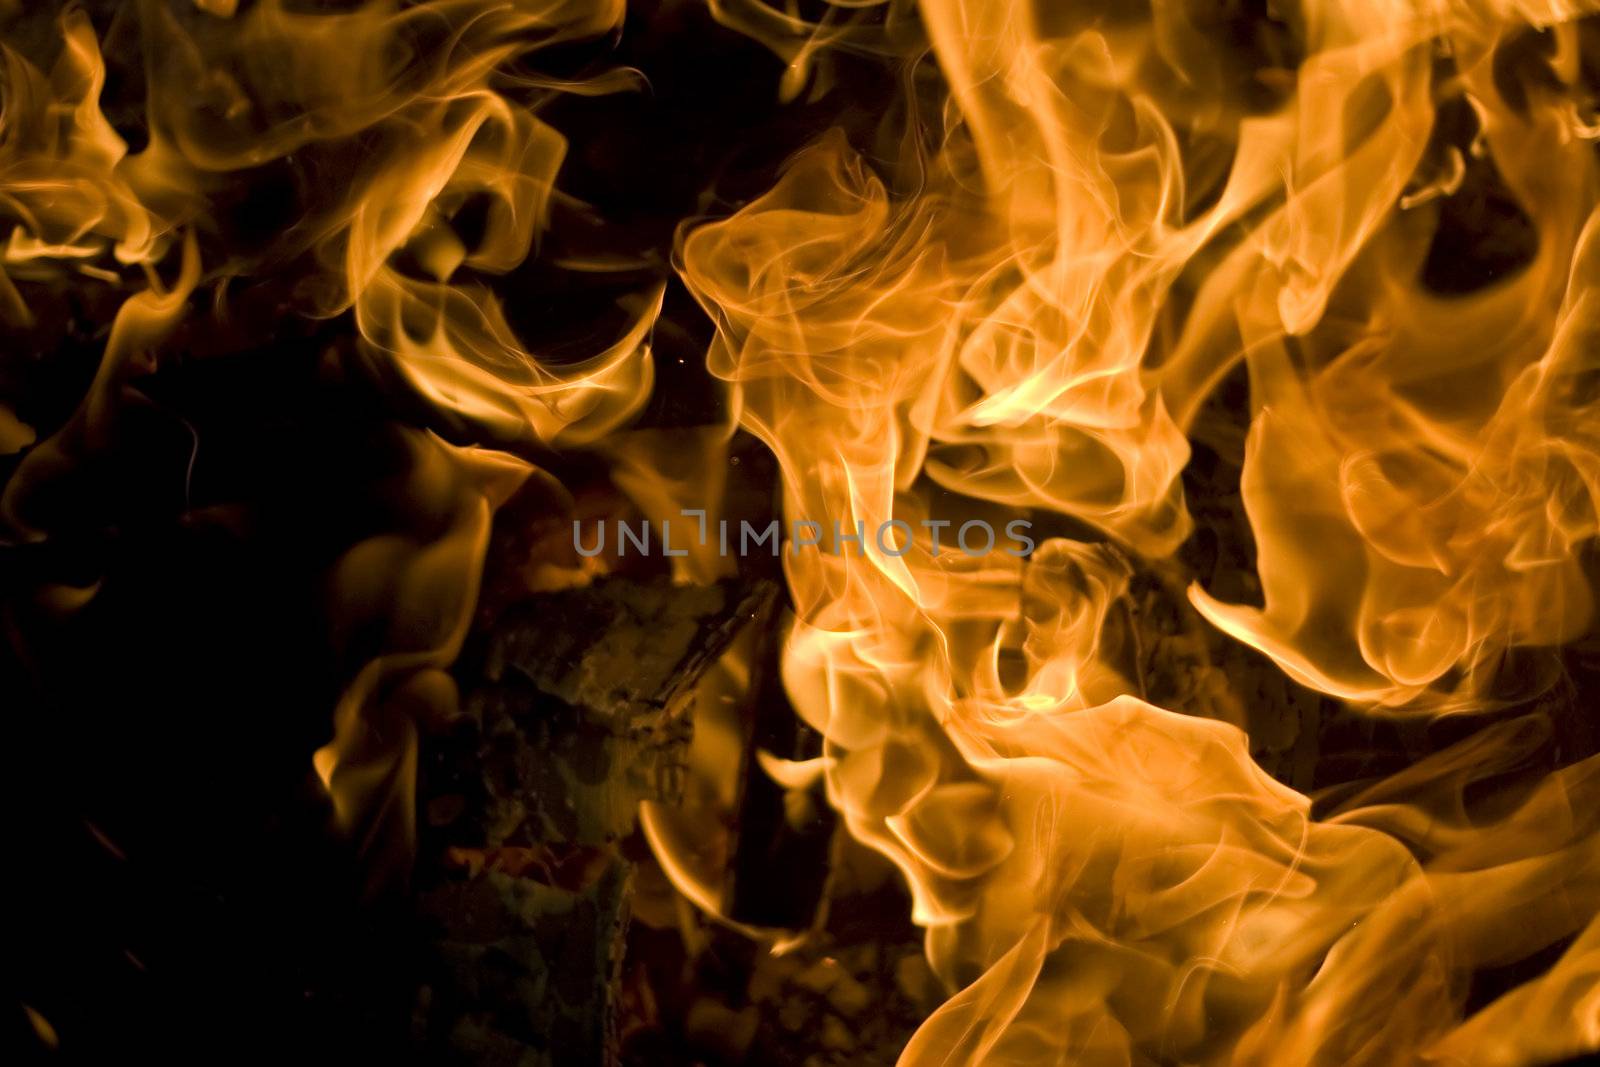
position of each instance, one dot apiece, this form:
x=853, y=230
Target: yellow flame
x=1023, y=313
x=378, y=124
x=1078, y=221
x=419, y=587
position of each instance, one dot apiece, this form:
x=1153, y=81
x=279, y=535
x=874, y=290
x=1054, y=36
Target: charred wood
x=577, y=705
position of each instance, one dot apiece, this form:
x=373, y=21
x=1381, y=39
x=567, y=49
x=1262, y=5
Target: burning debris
x=585, y=710
x=332, y=324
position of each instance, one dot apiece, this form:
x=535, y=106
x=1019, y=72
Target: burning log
x=577, y=706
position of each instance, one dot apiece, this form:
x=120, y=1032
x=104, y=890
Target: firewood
x=577, y=705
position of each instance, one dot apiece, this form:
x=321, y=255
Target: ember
x=1102, y=506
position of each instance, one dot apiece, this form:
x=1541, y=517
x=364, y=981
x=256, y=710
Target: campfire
x=802, y=532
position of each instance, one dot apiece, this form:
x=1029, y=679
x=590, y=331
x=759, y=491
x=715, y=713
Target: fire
x=397, y=97
x=1015, y=303
x=1025, y=304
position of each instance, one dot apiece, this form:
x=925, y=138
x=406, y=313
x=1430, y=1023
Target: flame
x=399, y=101
x=1011, y=302
x=419, y=588
x=1439, y=449
x=1078, y=224
x=335, y=149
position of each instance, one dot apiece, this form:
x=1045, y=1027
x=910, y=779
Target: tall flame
x=1020, y=307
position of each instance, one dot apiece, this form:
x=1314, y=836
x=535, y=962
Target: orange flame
x=405, y=103
x=1075, y=224
x=1025, y=314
